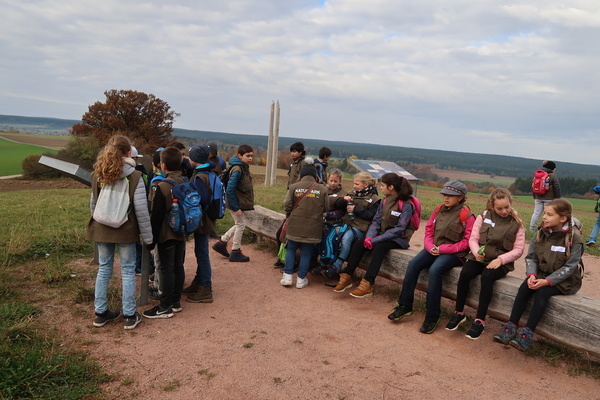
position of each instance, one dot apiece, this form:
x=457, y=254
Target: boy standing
x=240, y=199
x=542, y=199
x=171, y=247
x=321, y=164
x=298, y=155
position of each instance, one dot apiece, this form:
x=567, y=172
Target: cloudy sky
x=488, y=76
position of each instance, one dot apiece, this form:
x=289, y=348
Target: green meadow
x=12, y=155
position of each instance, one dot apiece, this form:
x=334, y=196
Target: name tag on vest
x=489, y=222
x=561, y=249
x=396, y=213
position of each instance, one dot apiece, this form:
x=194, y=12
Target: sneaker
x=476, y=330
x=301, y=283
x=221, y=248
x=279, y=264
x=238, y=256
x=364, y=289
x=344, y=283
x=523, y=340
x=138, y=270
x=203, y=295
x=154, y=293
x=158, y=312
x=455, y=320
x=330, y=273
x=106, y=316
x=176, y=307
x=429, y=326
x=193, y=288
x=399, y=312
x=506, y=334
x=590, y=243
x=131, y=321
x=286, y=280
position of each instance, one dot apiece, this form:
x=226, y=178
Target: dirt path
x=259, y=340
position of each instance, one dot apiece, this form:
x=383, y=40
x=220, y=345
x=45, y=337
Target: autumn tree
x=144, y=118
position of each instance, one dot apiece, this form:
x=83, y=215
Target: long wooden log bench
x=573, y=321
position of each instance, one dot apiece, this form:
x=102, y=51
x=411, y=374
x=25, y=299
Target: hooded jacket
x=240, y=191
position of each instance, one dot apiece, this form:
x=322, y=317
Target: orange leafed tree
x=144, y=118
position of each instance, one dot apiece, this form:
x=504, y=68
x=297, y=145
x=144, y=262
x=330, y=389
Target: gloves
x=368, y=244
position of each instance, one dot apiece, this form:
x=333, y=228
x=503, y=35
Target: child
x=321, y=163
x=170, y=246
x=552, y=269
x=114, y=163
x=200, y=290
x=361, y=206
x=497, y=241
x=334, y=190
x=240, y=199
x=446, y=244
x=305, y=203
x=219, y=164
x=594, y=235
x=298, y=155
x=391, y=229
x=542, y=199
x=139, y=167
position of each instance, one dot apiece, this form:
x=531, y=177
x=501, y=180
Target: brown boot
x=364, y=289
x=193, y=288
x=203, y=295
x=344, y=283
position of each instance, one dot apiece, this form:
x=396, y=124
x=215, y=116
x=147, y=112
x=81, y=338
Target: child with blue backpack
x=170, y=246
x=596, y=229
x=391, y=229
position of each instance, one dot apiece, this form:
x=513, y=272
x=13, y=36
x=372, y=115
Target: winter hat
x=549, y=164
x=454, y=188
x=214, y=149
x=308, y=168
x=134, y=153
x=199, y=153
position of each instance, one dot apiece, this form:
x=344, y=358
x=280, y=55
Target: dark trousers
x=378, y=253
x=540, y=301
x=171, y=271
x=203, y=269
x=469, y=271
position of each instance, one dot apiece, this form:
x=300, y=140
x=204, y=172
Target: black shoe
x=176, y=307
x=153, y=293
x=131, y=321
x=399, y=312
x=455, y=321
x=279, y=264
x=475, y=331
x=331, y=273
x=106, y=316
x=429, y=327
x=159, y=312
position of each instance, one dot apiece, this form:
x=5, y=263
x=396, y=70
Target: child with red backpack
x=446, y=244
x=392, y=228
x=545, y=187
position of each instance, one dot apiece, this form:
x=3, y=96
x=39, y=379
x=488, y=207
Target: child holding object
x=391, y=229
x=497, y=241
x=446, y=244
x=552, y=267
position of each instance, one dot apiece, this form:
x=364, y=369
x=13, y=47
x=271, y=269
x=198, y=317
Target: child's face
x=246, y=158
x=295, y=154
x=334, y=182
x=551, y=218
x=326, y=158
x=360, y=185
x=386, y=189
x=450, y=201
x=502, y=207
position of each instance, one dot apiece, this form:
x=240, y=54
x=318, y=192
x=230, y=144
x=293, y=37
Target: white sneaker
x=301, y=282
x=286, y=280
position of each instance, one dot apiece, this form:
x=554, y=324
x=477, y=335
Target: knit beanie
x=308, y=168
x=199, y=153
x=549, y=164
x=214, y=149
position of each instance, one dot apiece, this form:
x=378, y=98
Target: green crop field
x=12, y=155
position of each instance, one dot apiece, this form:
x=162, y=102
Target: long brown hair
x=502, y=193
x=564, y=209
x=109, y=164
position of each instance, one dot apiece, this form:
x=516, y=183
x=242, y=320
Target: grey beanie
x=199, y=153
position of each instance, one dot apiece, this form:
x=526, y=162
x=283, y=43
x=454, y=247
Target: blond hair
x=336, y=172
x=365, y=177
x=502, y=193
x=109, y=164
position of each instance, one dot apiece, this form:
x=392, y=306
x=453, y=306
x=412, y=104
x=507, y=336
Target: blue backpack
x=186, y=213
x=332, y=242
x=217, y=206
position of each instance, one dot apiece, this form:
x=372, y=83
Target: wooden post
x=270, y=159
x=275, y=150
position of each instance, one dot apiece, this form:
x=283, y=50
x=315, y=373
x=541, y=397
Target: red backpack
x=415, y=219
x=540, y=184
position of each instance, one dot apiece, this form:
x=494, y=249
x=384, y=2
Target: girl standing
x=497, y=241
x=114, y=163
x=390, y=229
x=552, y=267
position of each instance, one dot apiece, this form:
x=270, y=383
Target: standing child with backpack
x=446, y=244
x=240, y=199
x=392, y=228
x=298, y=155
x=552, y=268
x=113, y=166
x=545, y=187
x=170, y=245
x=596, y=229
x=497, y=241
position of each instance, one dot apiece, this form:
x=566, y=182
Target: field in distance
x=503, y=181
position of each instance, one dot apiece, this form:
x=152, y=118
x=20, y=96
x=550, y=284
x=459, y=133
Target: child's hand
x=435, y=251
x=494, y=264
x=238, y=213
x=531, y=281
x=368, y=243
x=347, y=198
x=538, y=284
x=350, y=209
x=479, y=257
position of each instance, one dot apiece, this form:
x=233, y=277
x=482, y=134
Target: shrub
x=32, y=169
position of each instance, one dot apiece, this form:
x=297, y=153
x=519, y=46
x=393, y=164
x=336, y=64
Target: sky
x=517, y=78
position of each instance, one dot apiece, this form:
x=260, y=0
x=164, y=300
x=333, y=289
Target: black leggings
x=469, y=271
x=379, y=251
x=540, y=300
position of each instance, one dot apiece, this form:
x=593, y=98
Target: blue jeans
x=106, y=257
x=306, y=252
x=538, y=210
x=437, y=265
x=348, y=239
x=203, y=270
x=595, y=230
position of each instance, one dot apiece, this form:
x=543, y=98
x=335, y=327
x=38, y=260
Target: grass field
x=501, y=181
x=12, y=155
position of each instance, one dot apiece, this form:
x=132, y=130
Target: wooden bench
x=573, y=321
